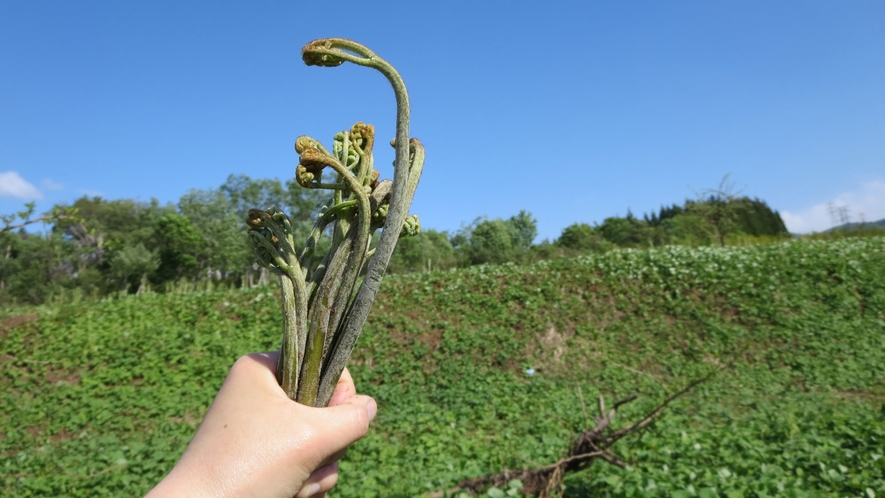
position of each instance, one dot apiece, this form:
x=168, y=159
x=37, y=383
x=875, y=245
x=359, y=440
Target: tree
x=21, y=219
x=106, y=226
x=496, y=241
x=688, y=229
x=715, y=215
x=26, y=268
x=426, y=251
x=221, y=231
x=302, y=205
x=755, y=218
x=99, y=245
x=181, y=249
x=134, y=263
x=245, y=193
x=718, y=207
x=115, y=221
x=582, y=237
x=493, y=241
x=628, y=232
x=526, y=228
x=576, y=236
x=299, y=203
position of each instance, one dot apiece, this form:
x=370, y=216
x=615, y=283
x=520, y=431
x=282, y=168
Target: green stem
x=322, y=319
x=340, y=275
x=287, y=371
x=293, y=296
x=328, y=52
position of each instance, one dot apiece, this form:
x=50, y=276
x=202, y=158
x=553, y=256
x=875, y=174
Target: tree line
x=98, y=247
x=714, y=220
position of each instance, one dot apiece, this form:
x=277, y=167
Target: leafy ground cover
x=101, y=398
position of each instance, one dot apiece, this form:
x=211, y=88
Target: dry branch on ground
x=596, y=443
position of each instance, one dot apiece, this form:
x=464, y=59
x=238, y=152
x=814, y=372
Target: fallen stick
x=546, y=481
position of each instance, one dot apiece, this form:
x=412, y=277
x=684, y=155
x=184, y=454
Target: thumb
x=346, y=423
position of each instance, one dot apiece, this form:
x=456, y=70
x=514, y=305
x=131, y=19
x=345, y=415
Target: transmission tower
x=844, y=217
x=839, y=215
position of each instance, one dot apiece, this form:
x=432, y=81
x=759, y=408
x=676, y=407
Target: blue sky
x=575, y=111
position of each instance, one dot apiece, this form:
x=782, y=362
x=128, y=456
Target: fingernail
x=309, y=490
x=372, y=408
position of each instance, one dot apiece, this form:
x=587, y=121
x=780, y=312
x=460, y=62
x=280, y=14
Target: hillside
x=101, y=398
x=859, y=226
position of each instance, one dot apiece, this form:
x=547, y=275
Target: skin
x=256, y=442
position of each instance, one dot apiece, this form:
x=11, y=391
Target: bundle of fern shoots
x=324, y=309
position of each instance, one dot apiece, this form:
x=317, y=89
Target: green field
x=100, y=398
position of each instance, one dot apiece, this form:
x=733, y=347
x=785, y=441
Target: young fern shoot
x=322, y=318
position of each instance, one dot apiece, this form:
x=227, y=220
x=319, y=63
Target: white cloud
x=867, y=204
x=13, y=185
x=48, y=184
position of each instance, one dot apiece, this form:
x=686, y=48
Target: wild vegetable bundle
x=322, y=318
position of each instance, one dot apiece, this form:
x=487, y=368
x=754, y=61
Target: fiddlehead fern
x=322, y=320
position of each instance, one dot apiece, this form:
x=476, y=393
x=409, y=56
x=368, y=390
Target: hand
x=255, y=441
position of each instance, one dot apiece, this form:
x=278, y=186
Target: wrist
x=184, y=483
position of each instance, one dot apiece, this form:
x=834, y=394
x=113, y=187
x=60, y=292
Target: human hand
x=255, y=441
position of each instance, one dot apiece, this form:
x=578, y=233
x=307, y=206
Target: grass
x=101, y=398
